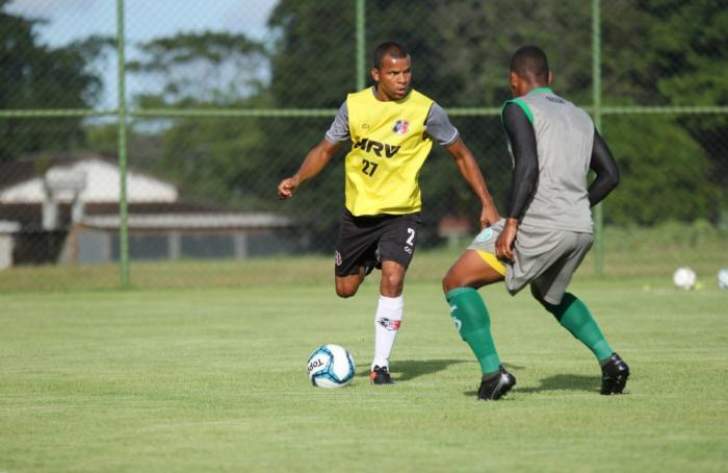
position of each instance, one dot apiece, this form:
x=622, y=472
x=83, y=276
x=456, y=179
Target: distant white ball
x=330, y=366
x=723, y=278
x=684, y=278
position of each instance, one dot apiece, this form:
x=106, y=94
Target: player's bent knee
x=345, y=292
x=393, y=281
x=452, y=280
x=346, y=289
x=449, y=282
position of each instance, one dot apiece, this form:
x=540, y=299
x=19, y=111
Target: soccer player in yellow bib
x=391, y=128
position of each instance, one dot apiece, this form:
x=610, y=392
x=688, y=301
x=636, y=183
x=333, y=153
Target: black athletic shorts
x=368, y=240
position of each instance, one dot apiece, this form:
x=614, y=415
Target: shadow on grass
x=404, y=370
x=565, y=382
x=559, y=382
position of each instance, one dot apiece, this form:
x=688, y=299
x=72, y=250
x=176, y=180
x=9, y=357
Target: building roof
x=152, y=203
x=31, y=165
x=89, y=177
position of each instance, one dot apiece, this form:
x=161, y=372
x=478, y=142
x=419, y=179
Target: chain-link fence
x=204, y=109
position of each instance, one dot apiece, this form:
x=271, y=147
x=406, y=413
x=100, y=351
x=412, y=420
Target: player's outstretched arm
x=470, y=171
x=315, y=161
x=605, y=167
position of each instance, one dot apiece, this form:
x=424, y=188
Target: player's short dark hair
x=389, y=48
x=530, y=61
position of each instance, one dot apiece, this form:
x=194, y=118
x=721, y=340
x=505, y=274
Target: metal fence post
x=597, y=111
x=360, y=44
x=123, y=210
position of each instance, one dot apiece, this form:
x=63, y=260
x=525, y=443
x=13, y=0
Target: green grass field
x=213, y=379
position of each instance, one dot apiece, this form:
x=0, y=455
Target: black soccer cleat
x=614, y=375
x=380, y=375
x=496, y=386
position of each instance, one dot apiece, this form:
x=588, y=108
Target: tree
x=659, y=53
x=666, y=180
x=654, y=53
x=36, y=76
x=692, y=47
x=313, y=66
x=214, y=160
x=669, y=52
x=460, y=55
x=208, y=68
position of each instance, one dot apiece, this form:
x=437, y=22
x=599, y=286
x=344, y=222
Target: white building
x=98, y=180
x=66, y=209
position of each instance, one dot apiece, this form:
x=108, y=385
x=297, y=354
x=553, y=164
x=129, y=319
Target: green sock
x=575, y=317
x=473, y=322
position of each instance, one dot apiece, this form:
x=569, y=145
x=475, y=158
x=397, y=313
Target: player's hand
x=488, y=216
x=287, y=188
x=506, y=240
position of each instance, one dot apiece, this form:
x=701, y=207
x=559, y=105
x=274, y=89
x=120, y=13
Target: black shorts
x=367, y=240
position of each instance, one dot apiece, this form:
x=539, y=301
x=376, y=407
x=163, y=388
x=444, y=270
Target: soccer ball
x=330, y=366
x=723, y=278
x=684, y=278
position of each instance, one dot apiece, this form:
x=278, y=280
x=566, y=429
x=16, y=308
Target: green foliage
x=103, y=138
x=216, y=160
x=654, y=53
x=213, y=160
x=36, y=76
x=663, y=181
x=460, y=58
x=313, y=65
x=690, y=39
x=208, y=68
x=474, y=44
x=672, y=52
x=313, y=60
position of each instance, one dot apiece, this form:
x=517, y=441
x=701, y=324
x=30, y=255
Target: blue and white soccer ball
x=330, y=366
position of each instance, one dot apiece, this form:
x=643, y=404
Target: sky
x=68, y=20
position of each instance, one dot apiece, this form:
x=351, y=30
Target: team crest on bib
x=401, y=127
x=485, y=235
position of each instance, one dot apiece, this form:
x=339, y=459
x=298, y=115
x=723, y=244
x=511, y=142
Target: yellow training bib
x=389, y=146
